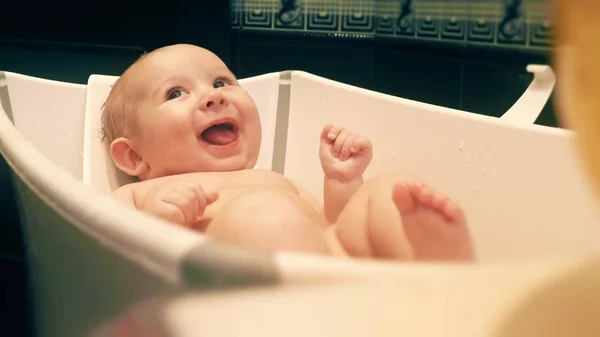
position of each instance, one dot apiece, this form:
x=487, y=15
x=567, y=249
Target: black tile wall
x=427, y=78
x=342, y=60
x=492, y=88
x=469, y=55
x=69, y=64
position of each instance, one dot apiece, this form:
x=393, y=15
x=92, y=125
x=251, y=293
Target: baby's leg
x=434, y=225
x=269, y=220
x=395, y=217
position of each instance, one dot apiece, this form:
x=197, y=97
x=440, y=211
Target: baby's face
x=193, y=116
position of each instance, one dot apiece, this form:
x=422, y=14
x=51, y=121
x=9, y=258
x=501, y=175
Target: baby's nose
x=219, y=101
x=215, y=100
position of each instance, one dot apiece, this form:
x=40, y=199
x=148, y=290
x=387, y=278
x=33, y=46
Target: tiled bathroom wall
x=511, y=23
x=465, y=54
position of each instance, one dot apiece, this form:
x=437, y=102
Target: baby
x=178, y=120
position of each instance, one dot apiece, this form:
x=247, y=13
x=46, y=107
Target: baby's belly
x=230, y=195
x=269, y=216
x=231, y=192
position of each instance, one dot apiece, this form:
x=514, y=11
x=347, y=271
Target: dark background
x=68, y=42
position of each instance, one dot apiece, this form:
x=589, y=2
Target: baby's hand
x=344, y=154
x=179, y=202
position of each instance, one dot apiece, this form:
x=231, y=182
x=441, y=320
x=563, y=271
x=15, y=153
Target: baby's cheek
x=177, y=129
x=167, y=138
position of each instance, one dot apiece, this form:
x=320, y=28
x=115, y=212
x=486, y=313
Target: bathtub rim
x=50, y=181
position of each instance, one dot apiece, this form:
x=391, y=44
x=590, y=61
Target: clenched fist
x=344, y=154
x=179, y=202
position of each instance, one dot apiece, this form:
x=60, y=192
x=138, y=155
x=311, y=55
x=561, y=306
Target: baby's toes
x=439, y=201
x=422, y=193
x=441, y=204
x=403, y=197
x=453, y=212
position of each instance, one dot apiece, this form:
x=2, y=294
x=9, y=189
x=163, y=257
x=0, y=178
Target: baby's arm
x=344, y=158
x=337, y=193
x=179, y=202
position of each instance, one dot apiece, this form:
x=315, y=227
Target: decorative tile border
x=513, y=23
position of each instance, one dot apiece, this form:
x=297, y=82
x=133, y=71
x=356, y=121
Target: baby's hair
x=113, y=117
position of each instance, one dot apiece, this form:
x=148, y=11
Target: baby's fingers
x=347, y=147
x=325, y=131
x=334, y=133
x=184, y=198
x=202, y=198
x=339, y=143
x=211, y=197
x=173, y=214
x=360, y=144
x=169, y=209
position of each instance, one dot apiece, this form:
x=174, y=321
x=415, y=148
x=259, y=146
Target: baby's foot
x=435, y=226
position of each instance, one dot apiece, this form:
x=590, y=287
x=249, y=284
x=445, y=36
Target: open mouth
x=220, y=133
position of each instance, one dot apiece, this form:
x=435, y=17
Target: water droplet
x=468, y=159
x=394, y=155
x=429, y=119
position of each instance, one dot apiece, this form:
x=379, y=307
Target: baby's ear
x=126, y=157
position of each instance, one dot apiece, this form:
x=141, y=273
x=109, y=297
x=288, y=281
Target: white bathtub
x=90, y=258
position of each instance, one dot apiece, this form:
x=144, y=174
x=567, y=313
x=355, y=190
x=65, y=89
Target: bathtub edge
x=5, y=97
x=219, y=265
x=281, y=121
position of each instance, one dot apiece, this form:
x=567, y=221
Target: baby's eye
x=174, y=94
x=219, y=84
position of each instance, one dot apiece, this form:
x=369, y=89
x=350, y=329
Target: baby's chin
x=229, y=166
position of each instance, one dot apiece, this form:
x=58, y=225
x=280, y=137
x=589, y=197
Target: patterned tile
x=512, y=23
x=428, y=27
x=481, y=30
x=406, y=20
x=322, y=15
x=358, y=20
x=540, y=34
x=289, y=15
x=512, y=27
x=384, y=25
x=257, y=18
x=257, y=14
x=453, y=29
x=235, y=15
